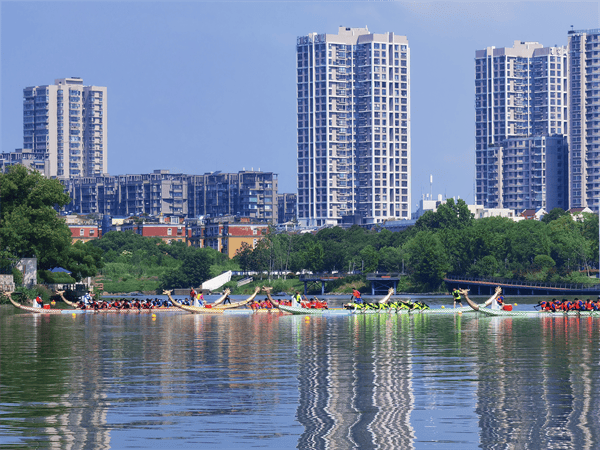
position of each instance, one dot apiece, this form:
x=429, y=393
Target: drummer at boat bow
x=356, y=294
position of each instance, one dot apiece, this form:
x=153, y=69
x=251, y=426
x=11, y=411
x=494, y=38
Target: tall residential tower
x=520, y=94
x=353, y=127
x=65, y=124
x=584, y=108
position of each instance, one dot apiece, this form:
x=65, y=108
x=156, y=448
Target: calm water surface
x=101, y=381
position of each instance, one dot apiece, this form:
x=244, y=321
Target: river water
x=268, y=381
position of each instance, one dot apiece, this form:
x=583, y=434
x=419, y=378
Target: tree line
x=448, y=241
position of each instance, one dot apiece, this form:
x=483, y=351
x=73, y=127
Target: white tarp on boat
x=217, y=282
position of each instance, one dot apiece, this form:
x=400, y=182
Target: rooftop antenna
x=431, y=187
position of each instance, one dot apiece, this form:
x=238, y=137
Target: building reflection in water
x=355, y=392
x=551, y=401
x=73, y=426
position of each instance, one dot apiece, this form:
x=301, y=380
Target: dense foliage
x=31, y=227
x=449, y=241
x=136, y=263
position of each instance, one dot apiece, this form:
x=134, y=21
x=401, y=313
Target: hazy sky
x=196, y=86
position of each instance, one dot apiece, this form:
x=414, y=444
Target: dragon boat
x=384, y=310
x=210, y=308
x=542, y=313
x=36, y=310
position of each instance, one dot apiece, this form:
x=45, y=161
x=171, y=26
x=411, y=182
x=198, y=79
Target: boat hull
x=350, y=312
x=502, y=313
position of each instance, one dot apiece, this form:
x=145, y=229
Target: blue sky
x=196, y=87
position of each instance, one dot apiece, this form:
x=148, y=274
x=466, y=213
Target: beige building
x=584, y=108
x=353, y=91
x=66, y=123
x=520, y=92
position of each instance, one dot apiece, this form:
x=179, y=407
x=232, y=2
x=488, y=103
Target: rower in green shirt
x=457, y=299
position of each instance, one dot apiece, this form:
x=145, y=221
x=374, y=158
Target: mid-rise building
x=584, y=109
x=529, y=173
x=286, y=207
x=354, y=149
x=65, y=124
x=520, y=92
x=248, y=194
x=25, y=158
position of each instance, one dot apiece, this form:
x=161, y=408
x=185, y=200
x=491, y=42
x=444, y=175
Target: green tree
x=448, y=215
x=313, y=257
x=243, y=256
x=194, y=270
x=368, y=258
x=83, y=260
x=554, y=214
x=29, y=224
x=427, y=259
x=390, y=259
x=485, y=267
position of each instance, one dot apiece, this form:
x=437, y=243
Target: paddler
x=296, y=300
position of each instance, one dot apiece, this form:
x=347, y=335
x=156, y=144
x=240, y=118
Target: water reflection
x=548, y=401
x=270, y=381
x=354, y=387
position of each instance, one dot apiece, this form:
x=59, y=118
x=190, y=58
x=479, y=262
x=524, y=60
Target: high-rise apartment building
x=520, y=92
x=353, y=127
x=65, y=123
x=584, y=109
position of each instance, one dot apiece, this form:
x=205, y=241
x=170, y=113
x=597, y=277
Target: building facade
x=353, y=95
x=25, y=158
x=65, y=124
x=244, y=194
x=286, y=207
x=584, y=110
x=520, y=92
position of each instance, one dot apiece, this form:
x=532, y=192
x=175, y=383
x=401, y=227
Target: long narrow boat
x=218, y=310
x=240, y=303
x=339, y=311
x=192, y=309
x=33, y=309
x=222, y=298
x=503, y=313
x=68, y=302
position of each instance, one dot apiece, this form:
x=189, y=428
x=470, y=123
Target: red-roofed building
x=84, y=233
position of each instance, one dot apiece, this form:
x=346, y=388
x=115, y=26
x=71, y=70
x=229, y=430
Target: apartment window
x=169, y=231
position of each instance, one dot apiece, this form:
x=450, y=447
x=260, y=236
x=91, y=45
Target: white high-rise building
x=354, y=148
x=65, y=124
x=520, y=92
x=584, y=108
